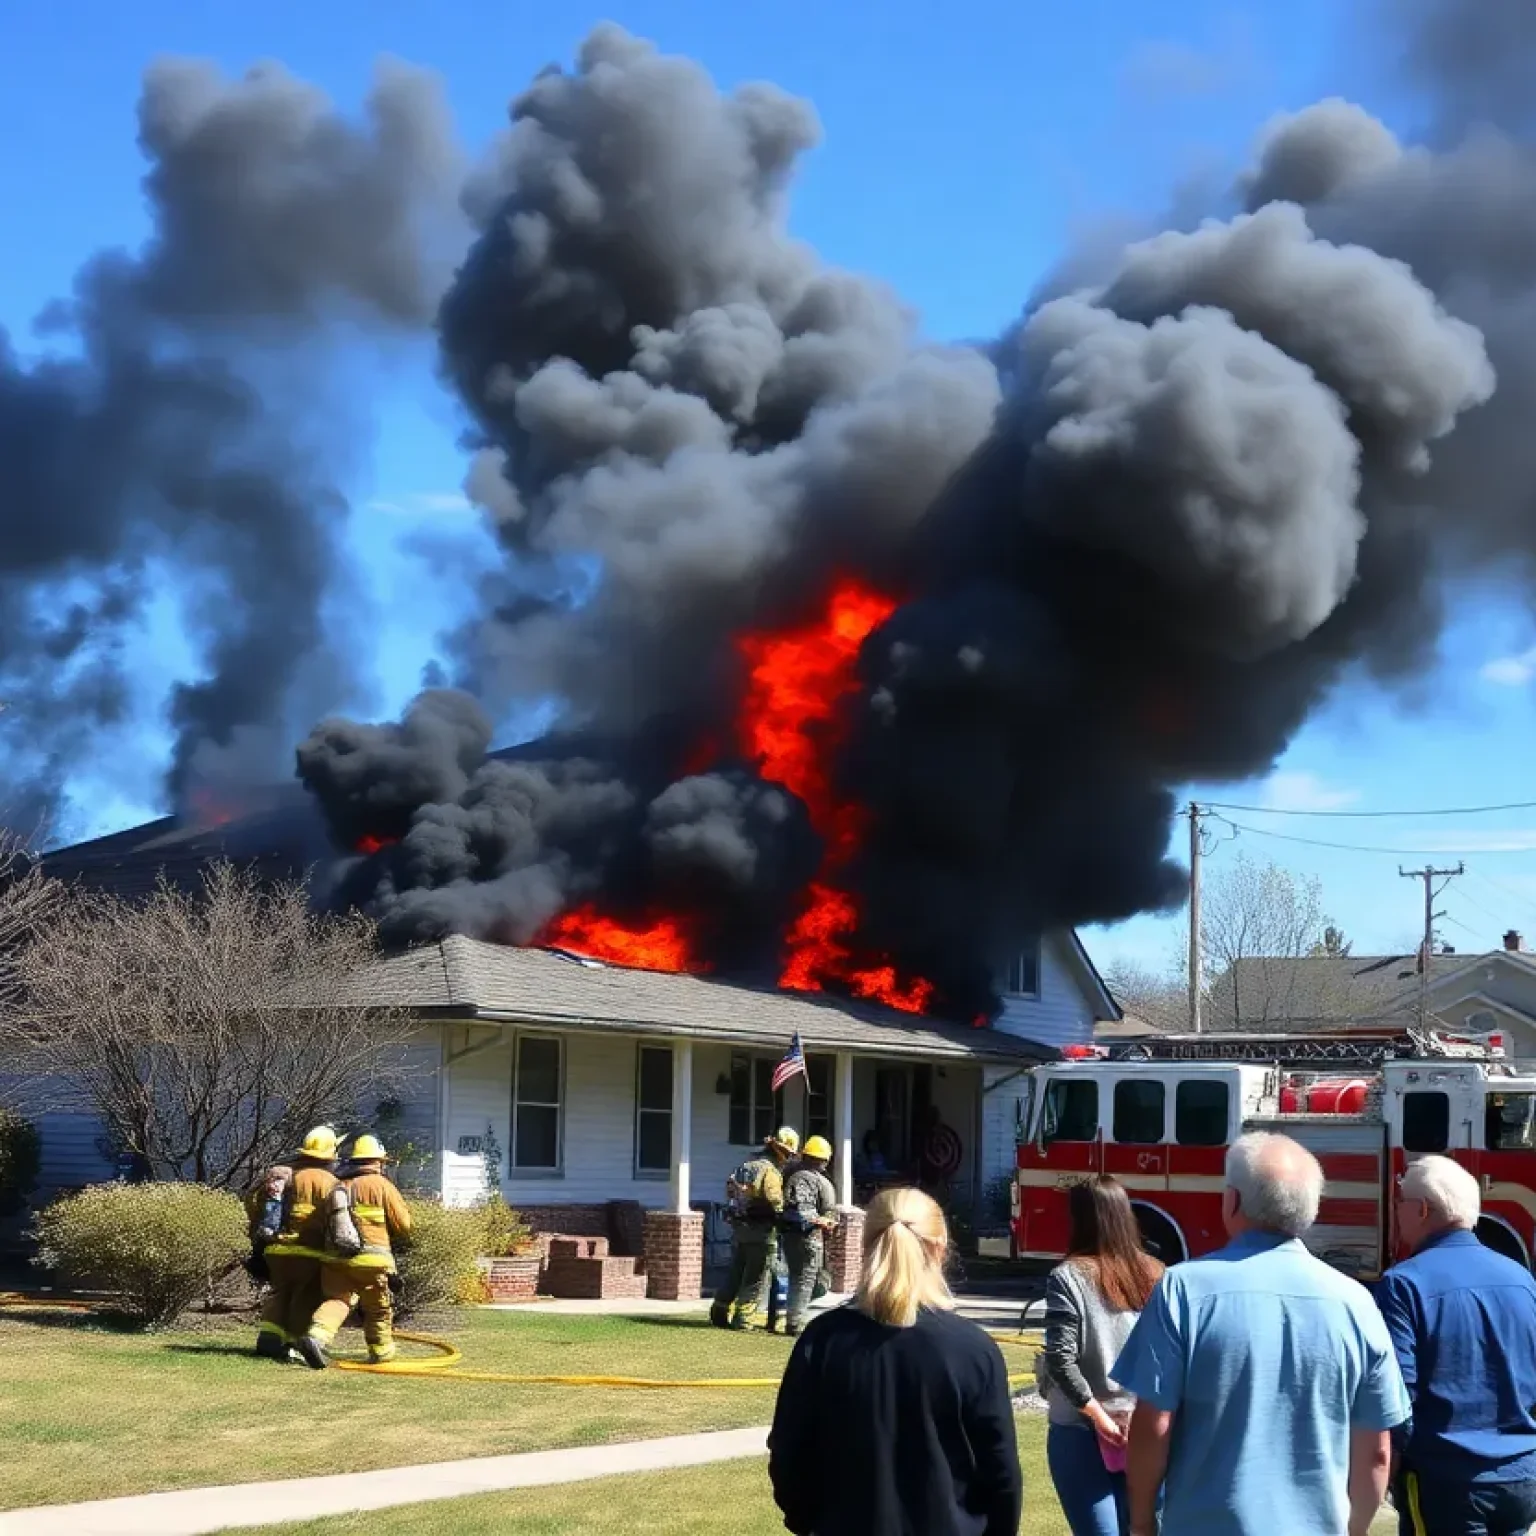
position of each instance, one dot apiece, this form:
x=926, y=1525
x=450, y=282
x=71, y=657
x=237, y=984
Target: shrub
x=504, y=1231
x=438, y=1266
x=20, y=1157
x=156, y=1247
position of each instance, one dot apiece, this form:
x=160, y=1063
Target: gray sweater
x=1083, y=1338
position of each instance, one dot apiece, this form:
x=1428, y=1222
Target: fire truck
x=1159, y=1115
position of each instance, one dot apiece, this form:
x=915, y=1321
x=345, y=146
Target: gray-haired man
x=1265, y=1381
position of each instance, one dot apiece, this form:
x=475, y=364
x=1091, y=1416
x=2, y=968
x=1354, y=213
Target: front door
x=1067, y=1147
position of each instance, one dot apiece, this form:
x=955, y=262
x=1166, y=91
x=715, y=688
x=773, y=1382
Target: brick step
x=592, y=1278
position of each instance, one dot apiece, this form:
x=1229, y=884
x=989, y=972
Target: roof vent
x=1514, y=941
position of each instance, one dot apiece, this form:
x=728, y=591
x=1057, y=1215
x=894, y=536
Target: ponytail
x=905, y=1245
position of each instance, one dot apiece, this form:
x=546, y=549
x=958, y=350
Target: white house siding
x=1003, y=1087
x=1063, y=1013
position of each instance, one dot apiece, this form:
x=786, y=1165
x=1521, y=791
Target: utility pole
x=1429, y=875
x=1196, y=979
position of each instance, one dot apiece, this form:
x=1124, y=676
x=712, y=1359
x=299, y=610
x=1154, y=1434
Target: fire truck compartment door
x=1351, y=1223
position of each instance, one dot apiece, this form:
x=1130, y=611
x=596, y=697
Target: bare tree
x=1267, y=949
x=1157, y=998
x=206, y=1029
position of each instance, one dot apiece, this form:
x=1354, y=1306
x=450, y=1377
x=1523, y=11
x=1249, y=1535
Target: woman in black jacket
x=894, y=1417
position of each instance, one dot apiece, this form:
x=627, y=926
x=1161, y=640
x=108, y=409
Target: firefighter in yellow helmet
x=755, y=1196
x=810, y=1204
x=362, y=1280
x=296, y=1247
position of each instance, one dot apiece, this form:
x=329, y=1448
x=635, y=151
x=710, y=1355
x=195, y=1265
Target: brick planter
x=515, y=1278
x=674, y=1255
x=846, y=1252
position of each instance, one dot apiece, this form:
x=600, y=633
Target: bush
x=504, y=1231
x=438, y=1266
x=156, y=1247
x=21, y=1150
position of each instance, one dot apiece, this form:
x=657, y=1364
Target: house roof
x=468, y=979
x=1322, y=992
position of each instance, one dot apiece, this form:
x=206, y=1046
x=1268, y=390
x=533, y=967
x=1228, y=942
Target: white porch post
x=682, y=1125
x=844, y=1123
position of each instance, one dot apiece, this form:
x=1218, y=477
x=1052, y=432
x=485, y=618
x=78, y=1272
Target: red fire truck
x=1160, y=1114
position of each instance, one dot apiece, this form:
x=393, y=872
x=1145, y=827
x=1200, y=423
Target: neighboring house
x=1477, y=993
x=601, y=1084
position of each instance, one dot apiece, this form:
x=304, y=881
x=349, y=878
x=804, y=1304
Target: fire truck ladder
x=1300, y=1051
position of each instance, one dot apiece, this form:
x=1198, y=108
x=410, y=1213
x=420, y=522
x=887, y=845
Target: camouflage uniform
x=808, y=1196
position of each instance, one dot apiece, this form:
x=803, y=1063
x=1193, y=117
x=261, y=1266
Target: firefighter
x=754, y=1199
x=362, y=1279
x=293, y=1256
x=809, y=1203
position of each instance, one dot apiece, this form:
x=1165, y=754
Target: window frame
x=1066, y=1084
x=1225, y=1086
x=642, y=1109
x=820, y=1120
x=1034, y=950
x=516, y=1169
x=1402, y=1121
x=753, y=1062
x=1137, y=1083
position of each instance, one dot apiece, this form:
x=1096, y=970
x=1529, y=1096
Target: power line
x=1448, y=810
x=1317, y=842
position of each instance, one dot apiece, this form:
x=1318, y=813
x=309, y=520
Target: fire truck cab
x=1160, y=1121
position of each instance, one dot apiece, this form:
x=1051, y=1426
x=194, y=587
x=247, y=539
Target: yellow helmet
x=819, y=1147
x=786, y=1138
x=321, y=1143
x=368, y=1149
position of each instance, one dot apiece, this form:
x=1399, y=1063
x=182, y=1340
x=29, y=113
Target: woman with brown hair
x=894, y=1416
x=1092, y=1302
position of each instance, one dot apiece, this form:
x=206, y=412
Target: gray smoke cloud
x=1197, y=486
x=187, y=437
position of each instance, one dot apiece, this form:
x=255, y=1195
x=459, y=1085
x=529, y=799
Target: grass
x=88, y=1412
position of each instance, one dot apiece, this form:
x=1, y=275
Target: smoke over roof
x=1036, y=587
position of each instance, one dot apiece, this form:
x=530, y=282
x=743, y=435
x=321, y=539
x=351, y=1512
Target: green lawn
x=89, y=1413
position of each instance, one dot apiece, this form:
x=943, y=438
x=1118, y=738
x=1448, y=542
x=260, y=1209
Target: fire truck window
x=1508, y=1124
x=1200, y=1114
x=1071, y=1111
x=1139, y=1112
x=1426, y=1122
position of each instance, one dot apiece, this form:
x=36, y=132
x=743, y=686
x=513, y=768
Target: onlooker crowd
x=1253, y=1392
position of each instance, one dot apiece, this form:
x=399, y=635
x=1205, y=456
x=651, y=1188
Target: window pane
x=740, y=1132
x=762, y=1080
x=1071, y=1111
x=1508, y=1122
x=538, y=1137
x=820, y=1070
x=762, y=1123
x=1426, y=1122
x=1024, y=970
x=1200, y=1114
x=655, y=1077
x=538, y=1071
x=654, y=1142
x=1139, y=1112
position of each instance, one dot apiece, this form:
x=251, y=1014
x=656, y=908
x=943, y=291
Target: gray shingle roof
x=1325, y=992
x=469, y=979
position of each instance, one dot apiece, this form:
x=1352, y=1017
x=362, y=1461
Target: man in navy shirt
x=1463, y=1322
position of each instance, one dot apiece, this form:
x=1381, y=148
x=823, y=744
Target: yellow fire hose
x=441, y=1367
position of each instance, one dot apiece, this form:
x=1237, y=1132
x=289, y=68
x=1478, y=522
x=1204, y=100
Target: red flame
x=661, y=945
x=208, y=810
x=791, y=726
x=371, y=843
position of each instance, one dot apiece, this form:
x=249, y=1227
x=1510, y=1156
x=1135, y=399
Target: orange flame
x=368, y=843
x=791, y=726
x=661, y=945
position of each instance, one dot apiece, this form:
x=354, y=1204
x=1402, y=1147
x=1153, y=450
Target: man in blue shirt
x=1463, y=1322
x=1265, y=1381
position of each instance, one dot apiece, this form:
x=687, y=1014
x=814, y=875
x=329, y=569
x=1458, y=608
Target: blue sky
x=965, y=147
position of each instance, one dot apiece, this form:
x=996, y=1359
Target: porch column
x=682, y=1126
x=843, y=1119
x=674, y=1238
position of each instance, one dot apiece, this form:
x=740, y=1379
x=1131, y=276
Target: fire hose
x=443, y=1366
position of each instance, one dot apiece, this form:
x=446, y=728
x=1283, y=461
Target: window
x=1482, y=1022
x=1139, y=1111
x=1508, y=1122
x=653, y=1110
x=893, y=1114
x=536, y=1092
x=1021, y=976
x=1426, y=1122
x=818, y=1096
x=1200, y=1112
x=1071, y=1111
x=755, y=1108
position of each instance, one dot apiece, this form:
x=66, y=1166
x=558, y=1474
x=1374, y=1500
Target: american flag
x=794, y=1062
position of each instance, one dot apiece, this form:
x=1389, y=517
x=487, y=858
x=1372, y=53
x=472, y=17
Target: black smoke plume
x=186, y=439
x=1136, y=542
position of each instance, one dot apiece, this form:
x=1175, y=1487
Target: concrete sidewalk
x=198, y=1511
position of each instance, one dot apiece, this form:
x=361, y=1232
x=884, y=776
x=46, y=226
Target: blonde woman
x=894, y=1416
